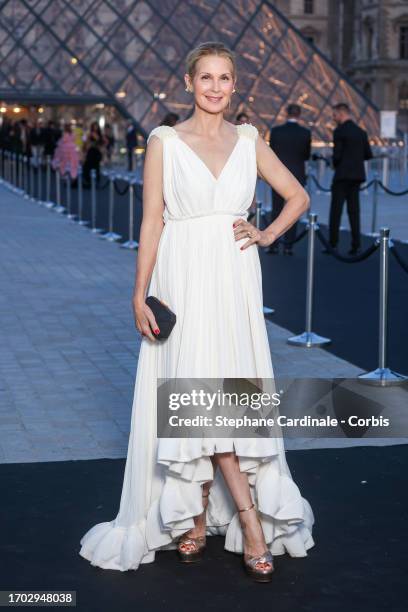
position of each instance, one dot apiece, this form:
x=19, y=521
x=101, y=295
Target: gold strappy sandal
x=196, y=546
x=259, y=574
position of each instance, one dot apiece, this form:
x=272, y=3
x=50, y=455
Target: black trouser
x=277, y=204
x=130, y=159
x=349, y=190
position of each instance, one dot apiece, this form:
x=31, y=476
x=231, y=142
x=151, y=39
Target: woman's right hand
x=144, y=319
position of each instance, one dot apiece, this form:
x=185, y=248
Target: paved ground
x=69, y=345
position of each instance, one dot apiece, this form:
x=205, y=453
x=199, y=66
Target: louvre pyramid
x=132, y=53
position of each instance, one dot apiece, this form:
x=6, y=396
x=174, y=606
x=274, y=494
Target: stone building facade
x=367, y=39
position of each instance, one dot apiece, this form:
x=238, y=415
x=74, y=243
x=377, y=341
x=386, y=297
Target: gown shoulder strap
x=249, y=130
x=162, y=132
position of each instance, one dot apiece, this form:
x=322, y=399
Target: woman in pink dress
x=66, y=156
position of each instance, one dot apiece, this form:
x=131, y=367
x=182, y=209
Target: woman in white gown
x=199, y=180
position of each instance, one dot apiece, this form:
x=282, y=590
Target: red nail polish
x=157, y=331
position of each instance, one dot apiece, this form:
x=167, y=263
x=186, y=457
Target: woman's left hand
x=244, y=229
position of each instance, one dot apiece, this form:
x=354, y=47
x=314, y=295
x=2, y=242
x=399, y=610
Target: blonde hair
x=205, y=49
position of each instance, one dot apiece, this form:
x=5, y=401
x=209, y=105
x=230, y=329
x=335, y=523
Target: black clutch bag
x=165, y=317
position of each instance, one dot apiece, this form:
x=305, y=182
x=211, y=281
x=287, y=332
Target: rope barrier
x=390, y=192
x=100, y=186
x=352, y=259
x=328, y=189
x=402, y=263
x=119, y=191
x=302, y=234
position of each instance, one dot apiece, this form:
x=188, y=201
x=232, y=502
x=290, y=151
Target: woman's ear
x=187, y=82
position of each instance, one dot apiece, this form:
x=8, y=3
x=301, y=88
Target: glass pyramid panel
x=133, y=52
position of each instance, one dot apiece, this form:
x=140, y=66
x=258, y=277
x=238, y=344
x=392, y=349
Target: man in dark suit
x=351, y=148
x=292, y=144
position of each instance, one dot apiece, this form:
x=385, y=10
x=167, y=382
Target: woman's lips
x=213, y=98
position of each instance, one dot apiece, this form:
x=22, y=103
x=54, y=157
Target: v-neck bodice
x=189, y=187
x=216, y=178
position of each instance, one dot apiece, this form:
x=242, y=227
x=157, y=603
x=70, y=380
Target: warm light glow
x=3, y=109
x=74, y=60
x=16, y=109
x=40, y=110
x=121, y=94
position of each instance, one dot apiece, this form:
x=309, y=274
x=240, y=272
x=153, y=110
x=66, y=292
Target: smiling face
x=213, y=83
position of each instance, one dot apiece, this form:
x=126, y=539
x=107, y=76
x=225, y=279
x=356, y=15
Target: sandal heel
x=250, y=563
x=198, y=543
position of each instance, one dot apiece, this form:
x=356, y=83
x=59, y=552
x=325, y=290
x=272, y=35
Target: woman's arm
x=150, y=232
x=275, y=173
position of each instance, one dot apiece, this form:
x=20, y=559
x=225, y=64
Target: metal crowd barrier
x=376, y=183
x=382, y=375
x=21, y=175
x=14, y=174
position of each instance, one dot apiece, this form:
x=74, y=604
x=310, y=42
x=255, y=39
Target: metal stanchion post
x=309, y=339
x=131, y=243
x=25, y=177
x=48, y=203
x=365, y=190
x=375, y=206
x=2, y=167
x=111, y=235
x=9, y=167
x=19, y=189
x=20, y=173
x=80, y=198
x=5, y=165
x=70, y=216
x=94, y=229
x=258, y=214
x=383, y=376
x=58, y=208
x=385, y=170
x=266, y=309
x=32, y=190
x=14, y=158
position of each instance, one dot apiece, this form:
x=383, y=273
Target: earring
x=234, y=90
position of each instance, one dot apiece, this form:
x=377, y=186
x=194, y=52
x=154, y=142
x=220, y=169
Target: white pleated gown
x=215, y=289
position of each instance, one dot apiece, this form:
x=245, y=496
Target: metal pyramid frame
x=131, y=53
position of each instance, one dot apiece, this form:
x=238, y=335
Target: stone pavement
x=69, y=345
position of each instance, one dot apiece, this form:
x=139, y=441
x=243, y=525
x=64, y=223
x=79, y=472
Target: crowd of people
x=72, y=145
x=67, y=147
